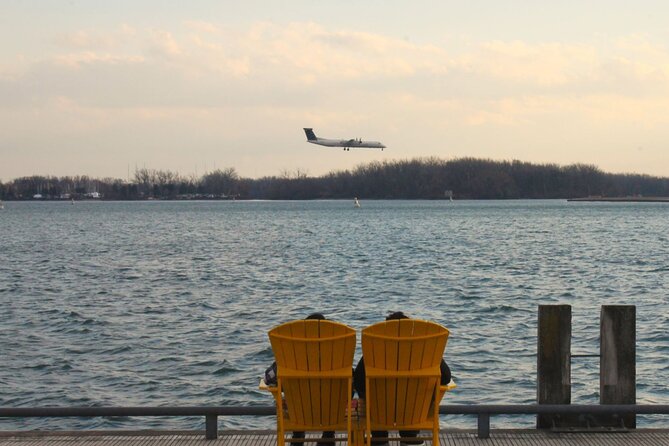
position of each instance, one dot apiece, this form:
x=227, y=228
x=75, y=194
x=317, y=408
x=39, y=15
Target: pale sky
x=95, y=87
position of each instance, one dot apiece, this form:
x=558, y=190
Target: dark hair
x=317, y=316
x=396, y=315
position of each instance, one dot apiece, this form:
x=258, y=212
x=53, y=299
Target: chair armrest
x=263, y=386
x=448, y=387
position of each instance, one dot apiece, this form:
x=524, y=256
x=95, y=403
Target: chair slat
x=376, y=358
x=417, y=387
x=326, y=389
x=293, y=396
x=313, y=400
x=403, y=398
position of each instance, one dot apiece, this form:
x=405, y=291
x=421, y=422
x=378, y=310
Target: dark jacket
x=270, y=375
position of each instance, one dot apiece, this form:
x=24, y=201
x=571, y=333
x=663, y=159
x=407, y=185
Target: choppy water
x=168, y=303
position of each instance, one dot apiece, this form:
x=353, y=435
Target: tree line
x=422, y=178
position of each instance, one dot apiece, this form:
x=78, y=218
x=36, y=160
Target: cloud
x=96, y=39
x=545, y=64
x=200, y=26
x=77, y=60
x=316, y=53
x=638, y=59
x=164, y=44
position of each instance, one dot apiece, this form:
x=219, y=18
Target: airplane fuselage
x=345, y=143
x=348, y=143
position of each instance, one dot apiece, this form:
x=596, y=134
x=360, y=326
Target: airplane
x=347, y=144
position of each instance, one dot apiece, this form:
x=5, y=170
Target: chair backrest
x=402, y=359
x=309, y=353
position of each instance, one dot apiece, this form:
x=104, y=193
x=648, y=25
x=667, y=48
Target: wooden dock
x=514, y=437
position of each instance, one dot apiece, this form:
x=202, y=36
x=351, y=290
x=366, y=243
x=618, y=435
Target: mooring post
x=617, y=367
x=483, y=430
x=211, y=427
x=553, y=361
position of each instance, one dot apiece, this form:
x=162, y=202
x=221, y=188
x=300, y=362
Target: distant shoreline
x=420, y=178
x=624, y=199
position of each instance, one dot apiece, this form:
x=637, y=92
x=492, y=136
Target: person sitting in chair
x=271, y=380
x=359, y=385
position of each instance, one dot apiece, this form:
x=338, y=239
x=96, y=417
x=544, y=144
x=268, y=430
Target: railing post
x=617, y=368
x=211, y=427
x=484, y=425
x=553, y=361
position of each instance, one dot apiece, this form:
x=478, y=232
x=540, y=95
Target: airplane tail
x=311, y=136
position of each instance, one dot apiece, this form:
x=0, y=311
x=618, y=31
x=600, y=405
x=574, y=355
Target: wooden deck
x=654, y=437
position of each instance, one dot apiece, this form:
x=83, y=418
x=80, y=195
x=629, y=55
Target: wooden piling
x=617, y=368
x=553, y=362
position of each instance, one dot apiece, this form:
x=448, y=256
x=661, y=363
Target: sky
x=100, y=88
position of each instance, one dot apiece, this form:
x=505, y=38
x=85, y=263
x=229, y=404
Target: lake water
x=169, y=303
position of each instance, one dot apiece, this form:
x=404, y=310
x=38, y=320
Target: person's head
x=316, y=316
x=396, y=315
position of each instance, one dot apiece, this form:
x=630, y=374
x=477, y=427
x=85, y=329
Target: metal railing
x=485, y=411
x=211, y=413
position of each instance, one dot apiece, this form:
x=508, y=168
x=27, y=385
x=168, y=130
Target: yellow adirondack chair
x=402, y=367
x=314, y=380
